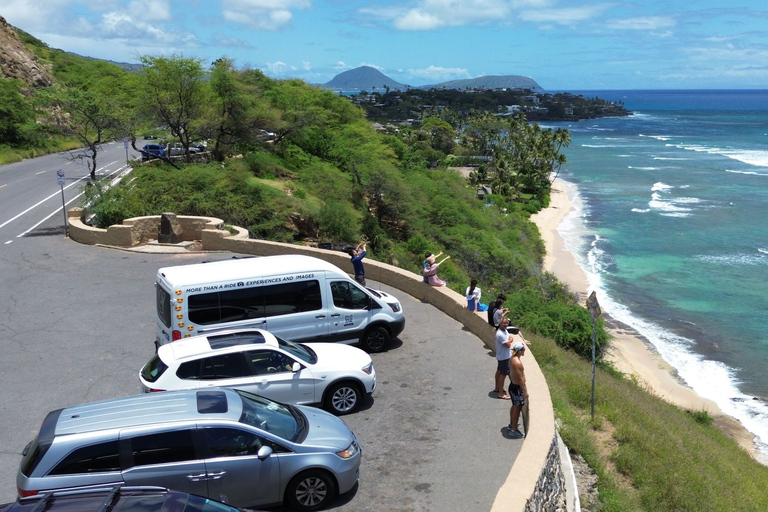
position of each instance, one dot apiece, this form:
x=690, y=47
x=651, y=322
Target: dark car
x=152, y=151
x=117, y=499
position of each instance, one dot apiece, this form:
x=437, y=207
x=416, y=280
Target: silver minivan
x=228, y=445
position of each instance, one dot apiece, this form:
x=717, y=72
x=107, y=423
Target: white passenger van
x=299, y=298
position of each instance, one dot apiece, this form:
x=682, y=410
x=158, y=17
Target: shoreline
x=628, y=351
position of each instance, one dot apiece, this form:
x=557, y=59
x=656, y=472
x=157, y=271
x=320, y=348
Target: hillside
x=364, y=78
x=16, y=61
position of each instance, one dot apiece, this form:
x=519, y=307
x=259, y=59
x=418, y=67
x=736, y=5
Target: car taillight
x=150, y=390
x=175, y=335
x=23, y=493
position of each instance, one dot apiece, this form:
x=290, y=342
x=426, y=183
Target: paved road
x=30, y=194
x=77, y=322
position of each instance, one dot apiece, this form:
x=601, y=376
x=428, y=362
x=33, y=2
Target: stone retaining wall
x=137, y=230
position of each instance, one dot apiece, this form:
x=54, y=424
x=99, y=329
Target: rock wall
x=549, y=494
x=16, y=61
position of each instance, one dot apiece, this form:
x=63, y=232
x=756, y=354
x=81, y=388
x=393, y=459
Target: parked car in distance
x=336, y=376
x=118, y=498
x=220, y=443
x=198, y=147
x=150, y=137
x=150, y=151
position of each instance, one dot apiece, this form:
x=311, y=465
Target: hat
x=517, y=346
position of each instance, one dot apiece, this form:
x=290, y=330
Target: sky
x=564, y=45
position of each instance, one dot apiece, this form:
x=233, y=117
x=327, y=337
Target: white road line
x=49, y=197
x=70, y=201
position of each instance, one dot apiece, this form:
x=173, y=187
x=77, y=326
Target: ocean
x=670, y=227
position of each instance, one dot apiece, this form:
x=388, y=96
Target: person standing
x=503, y=355
x=357, y=262
x=518, y=391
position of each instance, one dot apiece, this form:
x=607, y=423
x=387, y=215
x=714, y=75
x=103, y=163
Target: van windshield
x=303, y=352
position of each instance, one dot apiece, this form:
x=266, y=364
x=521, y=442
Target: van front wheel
x=375, y=339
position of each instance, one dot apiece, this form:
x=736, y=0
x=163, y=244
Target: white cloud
x=440, y=73
x=432, y=14
x=306, y=66
x=340, y=65
x=262, y=14
x=646, y=23
x=277, y=68
x=374, y=66
x=563, y=15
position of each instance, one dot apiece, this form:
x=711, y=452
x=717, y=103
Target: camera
x=513, y=330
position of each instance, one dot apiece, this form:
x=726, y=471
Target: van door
x=168, y=458
x=350, y=313
x=236, y=474
x=295, y=309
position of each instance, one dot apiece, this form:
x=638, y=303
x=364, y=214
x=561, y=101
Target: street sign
x=60, y=177
x=593, y=306
x=125, y=144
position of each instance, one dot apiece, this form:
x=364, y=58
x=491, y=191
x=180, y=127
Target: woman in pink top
x=430, y=271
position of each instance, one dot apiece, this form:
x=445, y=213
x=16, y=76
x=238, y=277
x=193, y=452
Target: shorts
x=516, y=394
x=503, y=366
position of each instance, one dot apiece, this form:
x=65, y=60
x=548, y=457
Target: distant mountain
x=364, y=78
x=489, y=82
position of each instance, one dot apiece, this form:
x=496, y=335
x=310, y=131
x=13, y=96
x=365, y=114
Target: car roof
x=150, y=408
x=220, y=342
x=246, y=268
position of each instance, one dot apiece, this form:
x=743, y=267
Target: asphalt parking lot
x=77, y=323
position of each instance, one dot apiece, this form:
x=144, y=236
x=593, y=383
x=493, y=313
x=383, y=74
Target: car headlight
x=350, y=452
x=368, y=369
x=394, y=305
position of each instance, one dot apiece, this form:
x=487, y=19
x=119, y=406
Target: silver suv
x=228, y=445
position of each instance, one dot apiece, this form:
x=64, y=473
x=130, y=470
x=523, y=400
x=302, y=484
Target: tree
x=175, y=94
x=88, y=115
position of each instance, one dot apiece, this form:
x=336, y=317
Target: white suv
x=336, y=376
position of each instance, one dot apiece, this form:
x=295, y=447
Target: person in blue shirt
x=357, y=262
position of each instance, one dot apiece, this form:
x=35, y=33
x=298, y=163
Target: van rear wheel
x=375, y=339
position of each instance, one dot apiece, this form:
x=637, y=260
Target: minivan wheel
x=375, y=339
x=310, y=490
x=343, y=398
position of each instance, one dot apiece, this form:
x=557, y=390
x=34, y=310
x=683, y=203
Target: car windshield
x=302, y=352
x=278, y=419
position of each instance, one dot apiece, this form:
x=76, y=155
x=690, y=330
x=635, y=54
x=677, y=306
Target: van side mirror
x=296, y=367
x=264, y=452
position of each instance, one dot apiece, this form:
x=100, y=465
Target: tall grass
x=649, y=455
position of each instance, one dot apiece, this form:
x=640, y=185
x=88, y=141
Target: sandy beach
x=628, y=352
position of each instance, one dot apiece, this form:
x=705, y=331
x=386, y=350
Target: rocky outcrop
x=16, y=61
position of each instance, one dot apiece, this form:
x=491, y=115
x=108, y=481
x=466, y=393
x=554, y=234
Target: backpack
x=491, y=311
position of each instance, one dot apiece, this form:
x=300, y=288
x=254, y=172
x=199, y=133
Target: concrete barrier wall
x=530, y=482
x=136, y=230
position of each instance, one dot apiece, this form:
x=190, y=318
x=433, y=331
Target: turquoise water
x=670, y=226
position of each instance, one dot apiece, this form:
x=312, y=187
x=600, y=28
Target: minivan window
x=231, y=442
x=163, y=305
x=95, y=458
x=163, y=448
